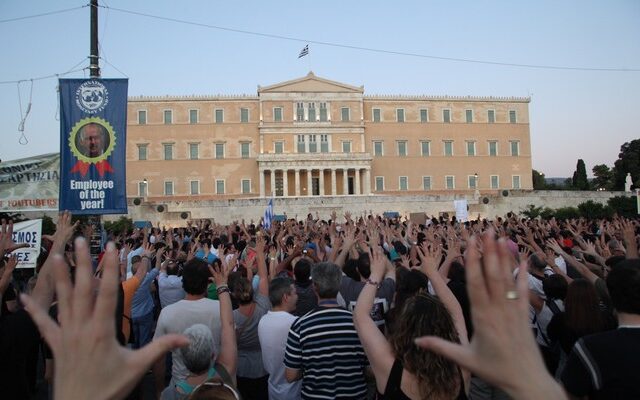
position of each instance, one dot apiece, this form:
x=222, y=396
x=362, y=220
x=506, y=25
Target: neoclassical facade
x=315, y=137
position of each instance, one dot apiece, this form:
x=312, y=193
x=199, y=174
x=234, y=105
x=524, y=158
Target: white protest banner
x=30, y=184
x=29, y=232
x=460, y=206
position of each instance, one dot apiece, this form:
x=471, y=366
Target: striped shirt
x=325, y=347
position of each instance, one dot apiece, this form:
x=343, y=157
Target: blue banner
x=93, y=121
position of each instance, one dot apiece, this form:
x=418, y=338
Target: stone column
x=309, y=188
x=367, y=181
x=345, y=181
x=334, y=190
x=321, y=179
x=297, y=182
x=272, y=178
x=356, y=186
x=285, y=183
x=261, y=183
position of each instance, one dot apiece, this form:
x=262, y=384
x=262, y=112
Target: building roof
x=310, y=83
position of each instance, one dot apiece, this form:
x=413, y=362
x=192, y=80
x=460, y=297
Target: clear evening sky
x=573, y=113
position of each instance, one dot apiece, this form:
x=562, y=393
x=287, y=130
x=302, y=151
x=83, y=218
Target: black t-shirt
x=19, y=344
x=605, y=365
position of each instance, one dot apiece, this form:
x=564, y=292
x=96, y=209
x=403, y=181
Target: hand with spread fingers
x=6, y=239
x=86, y=333
x=503, y=350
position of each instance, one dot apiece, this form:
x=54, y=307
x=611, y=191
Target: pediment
x=311, y=84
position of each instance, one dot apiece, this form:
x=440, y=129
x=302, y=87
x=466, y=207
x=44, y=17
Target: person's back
x=605, y=365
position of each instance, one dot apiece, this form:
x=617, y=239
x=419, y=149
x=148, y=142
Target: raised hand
x=87, y=333
x=7, y=244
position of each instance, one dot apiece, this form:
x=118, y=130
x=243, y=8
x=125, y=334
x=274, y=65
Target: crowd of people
x=340, y=308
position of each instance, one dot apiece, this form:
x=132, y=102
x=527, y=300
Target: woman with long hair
x=403, y=370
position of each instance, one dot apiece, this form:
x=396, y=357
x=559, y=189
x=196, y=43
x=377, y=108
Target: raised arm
x=375, y=345
x=5, y=279
x=347, y=244
x=228, y=356
x=582, y=269
x=263, y=284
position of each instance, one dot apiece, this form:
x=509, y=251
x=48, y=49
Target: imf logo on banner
x=92, y=97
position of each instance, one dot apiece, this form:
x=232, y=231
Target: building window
x=473, y=182
x=219, y=116
x=244, y=115
x=195, y=187
x=313, y=144
x=377, y=148
x=425, y=148
x=312, y=112
x=450, y=182
x=323, y=112
x=424, y=115
x=301, y=146
x=300, y=112
x=277, y=114
x=219, y=150
x=142, y=189
x=512, y=117
x=402, y=148
x=168, y=117
x=245, y=149
x=344, y=112
x=142, y=152
x=168, y=188
x=471, y=148
x=324, y=143
x=142, y=117
x=400, y=115
x=379, y=183
x=448, y=148
x=376, y=114
x=404, y=183
x=495, y=181
x=168, y=151
x=468, y=115
x=515, y=148
x=426, y=182
x=515, y=181
x=493, y=148
x=219, y=186
x=193, y=151
x=193, y=116
x=278, y=147
x=491, y=116
x=245, y=186
x=346, y=147
x=446, y=115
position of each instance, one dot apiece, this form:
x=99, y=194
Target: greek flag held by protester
x=268, y=215
x=304, y=51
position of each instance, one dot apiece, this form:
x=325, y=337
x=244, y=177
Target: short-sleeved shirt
x=325, y=347
x=177, y=317
x=605, y=365
x=350, y=290
x=142, y=303
x=170, y=289
x=129, y=287
x=249, y=351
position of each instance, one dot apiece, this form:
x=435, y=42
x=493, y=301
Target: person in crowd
x=169, y=283
x=194, y=309
x=251, y=375
x=200, y=359
x=142, y=303
x=330, y=362
x=307, y=299
x=403, y=371
x=272, y=332
x=555, y=290
x=605, y=365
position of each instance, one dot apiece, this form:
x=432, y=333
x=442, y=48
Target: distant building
x=316, y=137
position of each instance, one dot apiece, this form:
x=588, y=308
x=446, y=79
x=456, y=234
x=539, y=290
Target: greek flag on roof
x=268, y=215
x=304, y=51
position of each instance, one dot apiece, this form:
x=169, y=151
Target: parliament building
x=316, y=137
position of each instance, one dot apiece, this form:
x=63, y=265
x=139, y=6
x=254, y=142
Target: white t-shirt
x=169, y=289
x=177, y=317
x=273, y=329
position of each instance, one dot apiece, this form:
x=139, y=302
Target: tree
x=580, y=180
x=538, y=180
x=628, y=162
x=603, y=177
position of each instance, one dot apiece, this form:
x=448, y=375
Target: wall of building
x=229, y=210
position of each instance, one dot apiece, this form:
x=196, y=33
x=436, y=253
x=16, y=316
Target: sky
x=574, y=113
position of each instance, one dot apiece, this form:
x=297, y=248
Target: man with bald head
x=92, y=140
